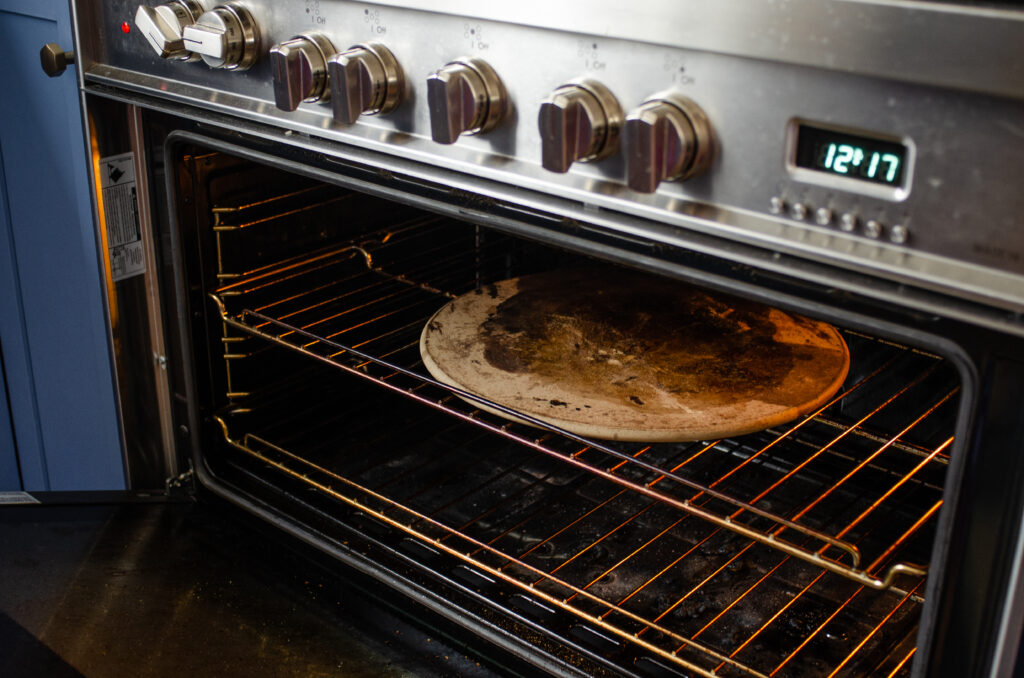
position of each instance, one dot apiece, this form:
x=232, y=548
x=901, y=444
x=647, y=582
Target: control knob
x=300, y=70
x=225, y=37
x=464, y=97
x=163, y=25
x=581, y=122
x=365, y=79
x=667, y=139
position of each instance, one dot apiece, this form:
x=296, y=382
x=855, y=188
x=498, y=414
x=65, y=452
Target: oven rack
x=413, y=493
x=343, y=307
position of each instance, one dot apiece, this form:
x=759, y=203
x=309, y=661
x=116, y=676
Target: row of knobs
x=668, y=138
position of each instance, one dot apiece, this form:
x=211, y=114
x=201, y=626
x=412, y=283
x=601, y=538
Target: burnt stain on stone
x=599, y=325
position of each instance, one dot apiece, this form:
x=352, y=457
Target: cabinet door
x=53, y=326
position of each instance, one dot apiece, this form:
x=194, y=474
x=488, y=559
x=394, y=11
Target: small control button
x=899, y=234
x=823, y=216
x=798, y=211
x=776, y=205
x=848, y=222
x=873, y=228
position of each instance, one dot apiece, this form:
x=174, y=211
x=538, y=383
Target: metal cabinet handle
x=54, y=59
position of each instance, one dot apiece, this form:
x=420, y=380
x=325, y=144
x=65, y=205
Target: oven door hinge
x=181, y=486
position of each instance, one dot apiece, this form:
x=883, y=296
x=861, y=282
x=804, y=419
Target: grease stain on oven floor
x=177, y=589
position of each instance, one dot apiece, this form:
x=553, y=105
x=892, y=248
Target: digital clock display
x=850, y=155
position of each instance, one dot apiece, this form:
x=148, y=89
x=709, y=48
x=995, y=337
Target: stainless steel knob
x=300, y=70
x=465, y=97
x=581, y=122
x=365, y=79
x=164, y=25
x=225, y=37
x=667, y=139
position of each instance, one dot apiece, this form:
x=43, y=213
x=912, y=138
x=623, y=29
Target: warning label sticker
x=121, y=214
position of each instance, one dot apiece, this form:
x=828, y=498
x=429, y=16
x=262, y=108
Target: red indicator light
x=126, y=27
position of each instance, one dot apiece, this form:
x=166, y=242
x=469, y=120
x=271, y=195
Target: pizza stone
x=615, y=354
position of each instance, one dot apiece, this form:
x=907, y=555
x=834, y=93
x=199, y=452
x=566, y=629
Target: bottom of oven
x=795, y=551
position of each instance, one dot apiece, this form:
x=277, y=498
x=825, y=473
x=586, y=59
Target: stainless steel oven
x=313, y=180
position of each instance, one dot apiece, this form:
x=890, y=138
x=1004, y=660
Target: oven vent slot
x=344, y=308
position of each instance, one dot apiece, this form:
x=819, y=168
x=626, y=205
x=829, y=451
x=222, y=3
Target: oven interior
x=800, y=550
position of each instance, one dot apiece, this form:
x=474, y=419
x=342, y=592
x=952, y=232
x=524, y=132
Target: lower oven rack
x=804, y=610
x=371, y=329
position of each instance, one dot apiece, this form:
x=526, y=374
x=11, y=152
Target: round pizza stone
x=620, y=355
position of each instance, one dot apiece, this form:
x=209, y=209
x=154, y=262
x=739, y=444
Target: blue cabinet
x=53, y=325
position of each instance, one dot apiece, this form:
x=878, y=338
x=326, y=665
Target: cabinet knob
x=299, y=66
x=54, y=59
x=464, y=97
x=579, y=122
x=668, y=138
x=365, y=80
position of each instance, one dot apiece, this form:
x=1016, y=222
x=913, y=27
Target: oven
x=288, y=192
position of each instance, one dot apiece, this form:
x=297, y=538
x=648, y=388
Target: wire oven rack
x=846, y=490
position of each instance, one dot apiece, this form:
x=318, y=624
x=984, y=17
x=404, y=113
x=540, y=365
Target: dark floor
x=183, y=589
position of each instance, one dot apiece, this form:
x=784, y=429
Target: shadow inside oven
x=800, y=550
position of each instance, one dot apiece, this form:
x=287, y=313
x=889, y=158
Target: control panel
x=855, y=168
